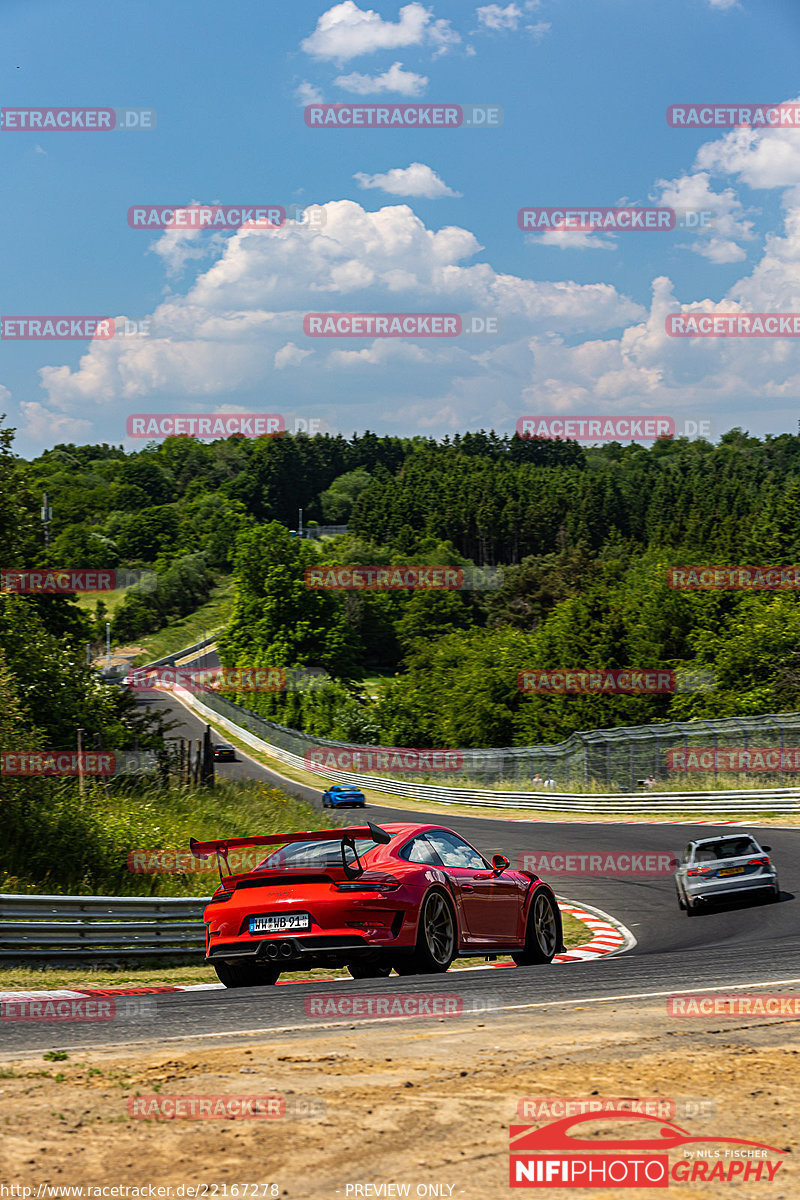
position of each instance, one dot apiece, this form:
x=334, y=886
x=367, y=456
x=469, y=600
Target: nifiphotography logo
x=552, y=1156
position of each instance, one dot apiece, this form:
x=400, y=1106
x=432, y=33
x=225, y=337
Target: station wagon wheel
x=543, y=933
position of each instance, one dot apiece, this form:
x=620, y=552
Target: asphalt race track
x=752, y=943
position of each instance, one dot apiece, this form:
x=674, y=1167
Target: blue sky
x=414, y=220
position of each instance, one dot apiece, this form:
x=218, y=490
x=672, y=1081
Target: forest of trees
x=583, y=538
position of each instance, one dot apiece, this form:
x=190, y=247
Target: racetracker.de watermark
x=403, y=116
x=629, y=680
x=622, y=862
x=207, y=425
x=743, y=1004
x=206, y=216
x=398, y=1005
x=78, y=1008
x=56, y=329
x=764, y=759
x=155, y=861
x=225, y=1107
x=398, y=760
x=554, y=1108
x=62, y=120
x=574, y=218
x=609, y=429
x=416, y=578
x=54, y=580
x=734, y=579
x=73, y=762
x=400, y=325
x=208, y=679
x=577, y=219
x=733, y=116
x=733, y=324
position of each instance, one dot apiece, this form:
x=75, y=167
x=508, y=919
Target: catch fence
x=760, y=752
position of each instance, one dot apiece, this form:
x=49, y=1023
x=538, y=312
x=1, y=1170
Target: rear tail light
x=759, y=862
x=382, y=883
x=702, y=871
x=221, y=894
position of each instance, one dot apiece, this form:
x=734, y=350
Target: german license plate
x=732, y=871
x=280, y=922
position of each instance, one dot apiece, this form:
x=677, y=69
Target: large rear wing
x=346, y=835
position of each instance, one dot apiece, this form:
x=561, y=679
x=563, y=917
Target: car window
x=454, y=851
x=733, y=847
x=313, y=854
x=419, y=850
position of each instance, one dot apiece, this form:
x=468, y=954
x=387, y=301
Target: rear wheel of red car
x=436, y=939
x=543, y=933
x=369, y=968
x=246, y=974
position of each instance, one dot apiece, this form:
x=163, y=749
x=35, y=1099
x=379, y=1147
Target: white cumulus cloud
x=415, y=180
x=396, y=79
x=307, y=93
x=347, y=31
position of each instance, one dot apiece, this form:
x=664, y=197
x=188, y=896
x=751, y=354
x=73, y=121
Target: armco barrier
x=79, y=928
x=236, y=720
x=745, y=801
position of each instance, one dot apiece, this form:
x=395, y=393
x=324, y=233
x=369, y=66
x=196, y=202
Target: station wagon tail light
x=759, y=862
x=382, y=883
x=702, y=871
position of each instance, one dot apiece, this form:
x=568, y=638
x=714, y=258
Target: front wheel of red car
x=543, y=933
x=246, y=974
x=436, y=939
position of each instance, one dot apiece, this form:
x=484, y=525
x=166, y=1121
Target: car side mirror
x=499, y=864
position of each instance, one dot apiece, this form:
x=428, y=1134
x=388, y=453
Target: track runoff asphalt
x=747, y=945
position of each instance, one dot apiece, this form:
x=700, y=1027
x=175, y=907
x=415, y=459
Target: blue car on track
x=340, y=796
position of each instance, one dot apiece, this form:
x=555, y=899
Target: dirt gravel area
x=423, y=1105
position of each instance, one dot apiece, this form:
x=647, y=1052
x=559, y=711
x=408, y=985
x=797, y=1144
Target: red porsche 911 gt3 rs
x=370, y=898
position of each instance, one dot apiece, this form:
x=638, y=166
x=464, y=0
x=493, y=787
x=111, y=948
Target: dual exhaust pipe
x=280, y=950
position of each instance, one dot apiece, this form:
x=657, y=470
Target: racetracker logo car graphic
x=553, y=1156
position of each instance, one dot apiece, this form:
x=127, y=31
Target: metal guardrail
x=79, y=928
x=747, y=801
x=169, y=659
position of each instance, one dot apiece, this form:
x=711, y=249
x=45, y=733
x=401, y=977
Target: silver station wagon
x=721, y=867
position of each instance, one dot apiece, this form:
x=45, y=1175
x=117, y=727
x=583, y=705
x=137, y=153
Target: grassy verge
x=184, y=631
x=14, y=978
x=96, y=833
x=112, y=600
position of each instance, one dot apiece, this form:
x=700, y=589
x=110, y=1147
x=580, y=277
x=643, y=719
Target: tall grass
x=70, y=844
